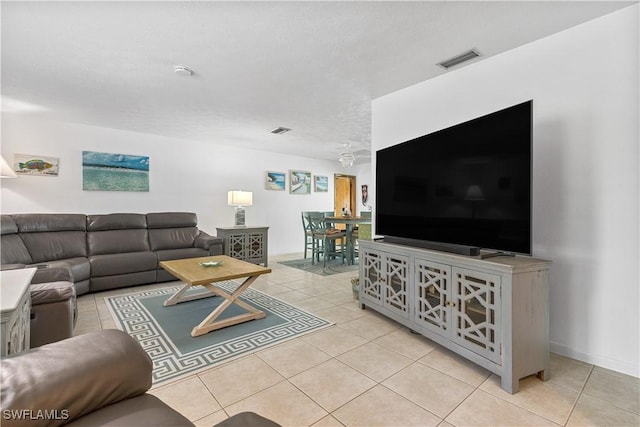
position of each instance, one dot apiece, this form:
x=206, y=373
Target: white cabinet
x=245, y=243
x=15, y=311
x=493, y=312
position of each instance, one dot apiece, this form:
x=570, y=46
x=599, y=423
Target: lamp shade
x=6, y=171
x=240, y=198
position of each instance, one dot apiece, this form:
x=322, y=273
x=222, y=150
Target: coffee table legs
x=210, y=323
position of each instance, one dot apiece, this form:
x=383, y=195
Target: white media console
x=494, y=312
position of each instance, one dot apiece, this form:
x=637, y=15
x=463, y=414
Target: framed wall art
x=35, y=165
x=114, y=172
x=299, y=182
x=321, y=184
x=275, y=181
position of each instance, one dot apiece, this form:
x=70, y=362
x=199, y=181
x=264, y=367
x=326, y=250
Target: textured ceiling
x=310, y=66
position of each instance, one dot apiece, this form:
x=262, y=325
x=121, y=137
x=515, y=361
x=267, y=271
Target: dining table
x=349, y=222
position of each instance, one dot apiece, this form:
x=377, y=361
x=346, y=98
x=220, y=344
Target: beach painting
x=275, y=181
x=114, y=172
x=35, y=165
x=299, y=182
x=321, y=184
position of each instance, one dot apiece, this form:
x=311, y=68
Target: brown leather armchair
x=95, y=379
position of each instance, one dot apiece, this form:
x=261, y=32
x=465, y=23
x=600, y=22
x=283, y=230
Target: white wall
x=184, y=176
x=584, y=84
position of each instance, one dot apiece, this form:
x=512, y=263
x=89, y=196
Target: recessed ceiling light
x=280, y=130
x=459, y=59
x=182, y=70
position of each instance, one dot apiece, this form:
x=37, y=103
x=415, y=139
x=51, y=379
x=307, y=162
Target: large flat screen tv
x=467, y=186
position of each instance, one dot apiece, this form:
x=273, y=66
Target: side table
x=15, y=310
x=245, y=243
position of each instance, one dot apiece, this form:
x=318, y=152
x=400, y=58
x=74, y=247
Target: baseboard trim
x=600, y=361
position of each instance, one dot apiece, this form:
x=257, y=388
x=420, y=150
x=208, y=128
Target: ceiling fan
x=347, y=156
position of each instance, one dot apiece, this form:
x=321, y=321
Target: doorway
x=345, y=194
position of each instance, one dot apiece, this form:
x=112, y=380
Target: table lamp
x=240, y=199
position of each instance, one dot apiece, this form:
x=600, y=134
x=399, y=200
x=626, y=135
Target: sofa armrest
x=205, y=241
x=48, y=273
x=12, y=266
x=49, y=292
x=73, y=377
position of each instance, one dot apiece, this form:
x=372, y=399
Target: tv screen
x=469, y=184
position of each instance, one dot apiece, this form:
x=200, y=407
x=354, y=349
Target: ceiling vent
x=280, y=130
x=456, y=60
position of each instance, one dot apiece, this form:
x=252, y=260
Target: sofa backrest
x=172, y=230
x=12, y=248
x=117, y=233
x=52, y=236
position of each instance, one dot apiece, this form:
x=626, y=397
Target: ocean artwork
x=275, y=181
x=114, y=172
x=321, y=184
x=36, y=165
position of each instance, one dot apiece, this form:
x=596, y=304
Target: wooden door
x=345, y=194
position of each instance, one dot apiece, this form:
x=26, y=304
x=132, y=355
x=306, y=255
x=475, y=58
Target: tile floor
x=369, y=371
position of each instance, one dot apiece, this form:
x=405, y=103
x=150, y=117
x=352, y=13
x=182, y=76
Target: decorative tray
x=212, y=263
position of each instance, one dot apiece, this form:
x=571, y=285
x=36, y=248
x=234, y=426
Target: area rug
x=165, y=332
x=333, y=266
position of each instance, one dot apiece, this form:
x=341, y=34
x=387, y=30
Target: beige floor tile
x=338, y=298
x=458, y=367
x=313, y=305
x=239, y=379
x=621, y=390
x=294, y=296
x=328, y=421
x=591, y=411
x=211, y=420
x=382, y=407
x=332, y=384
x=338, y=314
x=293, y=357
x=544, y=398
x=282, y=403
x=271, y=288
x=189, y=397
x=375, y=361
x=408, y=344
x=569, y=373
x=370, y=327
x=333, y=340
x=445, y=424
x=484, y=409
x=429, y=388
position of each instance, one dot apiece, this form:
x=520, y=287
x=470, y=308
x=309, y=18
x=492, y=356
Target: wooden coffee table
x=193, y=274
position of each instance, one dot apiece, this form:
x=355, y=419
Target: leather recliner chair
x=51, y=386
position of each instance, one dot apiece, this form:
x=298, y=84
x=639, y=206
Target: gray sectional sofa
x=104, y=251
x=76, y=254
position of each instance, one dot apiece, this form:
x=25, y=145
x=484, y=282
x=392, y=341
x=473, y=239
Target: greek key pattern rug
x=165, y=332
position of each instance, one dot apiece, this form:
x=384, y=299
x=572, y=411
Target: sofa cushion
x=167, y=255
x=171, y=219
x=117, y=241
x=130, y=262
x=116, y=221
x=31, y=223
x=172, y=238
x=80, y=268
x=13, y=250
x=143, y=410
x=55, y=245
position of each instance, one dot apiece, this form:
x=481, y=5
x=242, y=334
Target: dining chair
x=308, y=234
x=326, y=240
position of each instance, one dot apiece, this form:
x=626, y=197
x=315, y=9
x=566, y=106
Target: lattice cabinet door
x=477, y=314
x=371, y=276
x=255, y=247
x=432, y=287
x=395, y=284
x=236, y=246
